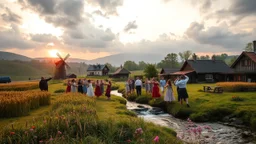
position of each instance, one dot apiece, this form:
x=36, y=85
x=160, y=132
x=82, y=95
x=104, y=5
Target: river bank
x=207, y=107
x=212, y=133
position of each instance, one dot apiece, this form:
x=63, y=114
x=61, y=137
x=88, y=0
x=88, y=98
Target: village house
x=97, y=70
x=245, y=66
x=166, y=72
x=121, y=72
x=205, y=70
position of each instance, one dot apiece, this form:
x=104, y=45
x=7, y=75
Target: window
x=208, y=76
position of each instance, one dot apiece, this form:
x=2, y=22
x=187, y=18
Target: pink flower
x=51, y=139
x=128, y=141
x=59, y=132
x=41, y=141
x=156, y=139
x=139, y=131
x=194, y=130
x=31, y=129
x=199, y=130
x=45, y=121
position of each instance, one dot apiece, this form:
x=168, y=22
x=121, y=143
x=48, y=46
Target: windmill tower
x=60, y=69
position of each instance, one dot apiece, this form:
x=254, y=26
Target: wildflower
x=33, y=127
x=139, y=131
x=45, y=121
x=51, y=139
x=59, y=132
x=194, y=130
x=41, y=141
x=128, y=141
x=156, y=139
x=199, y=130
x=12, y=133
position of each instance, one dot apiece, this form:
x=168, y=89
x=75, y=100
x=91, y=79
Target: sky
x=90, y=29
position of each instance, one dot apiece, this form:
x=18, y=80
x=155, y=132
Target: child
x=169, y=92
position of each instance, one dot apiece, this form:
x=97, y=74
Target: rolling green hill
x=13, y=56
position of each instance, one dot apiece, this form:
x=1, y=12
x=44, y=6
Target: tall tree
x=142, y=65
x=150, y=71
x=206, y=57
x=130, y=65
x=170, y=61
x=249, y=47
x=185, y=55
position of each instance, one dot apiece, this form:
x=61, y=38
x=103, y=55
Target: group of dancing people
x=85, y=86
x=166, y=89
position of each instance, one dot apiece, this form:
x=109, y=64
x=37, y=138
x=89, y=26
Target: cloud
x=109, y=6
x=217, y=35
x=131, y=25
x=10, y=17
x=43, y=38
x=12, y=38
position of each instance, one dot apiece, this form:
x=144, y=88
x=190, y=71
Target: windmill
x=60, y=70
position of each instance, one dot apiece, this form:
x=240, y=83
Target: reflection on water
x=219, y=133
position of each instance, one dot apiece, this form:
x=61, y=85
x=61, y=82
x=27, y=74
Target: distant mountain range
x=115, y=60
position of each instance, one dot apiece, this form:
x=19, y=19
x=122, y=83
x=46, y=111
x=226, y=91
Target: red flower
x=33, y=127
x=12, y=133
x=129, y=141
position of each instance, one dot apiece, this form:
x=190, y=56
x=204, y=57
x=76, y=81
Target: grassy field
x=96, y=121
x=208, y=106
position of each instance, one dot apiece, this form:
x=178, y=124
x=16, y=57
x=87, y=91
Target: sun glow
x=53, y=53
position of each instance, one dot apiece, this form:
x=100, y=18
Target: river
x=190, y=132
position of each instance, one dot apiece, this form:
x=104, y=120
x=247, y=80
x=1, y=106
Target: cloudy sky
x=90, y=29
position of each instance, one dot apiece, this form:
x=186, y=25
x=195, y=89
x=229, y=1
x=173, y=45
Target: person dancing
x=181, y=83
x=155, y=89
x=169, y=97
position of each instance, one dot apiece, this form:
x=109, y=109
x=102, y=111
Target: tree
x=249, y=47
x=207, y=57
x=221, y=57
x=170, y=61
x=185, y=55
x=130, y=65
x=233, y=59
x=111, y=68
x=150, y=71
x=142, y=65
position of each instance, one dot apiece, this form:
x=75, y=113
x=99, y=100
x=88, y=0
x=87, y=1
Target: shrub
x=15, y=104
x=121, y=100
x=131, y=97
x=59, y=91
x=20, y=86
x=237, y=86
x=157, y=103
x=114, y=86
x=142, y=99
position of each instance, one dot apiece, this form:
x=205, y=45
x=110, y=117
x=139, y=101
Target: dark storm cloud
x=216, y=35
x=12, y=38
x=131, y=25
x=9, y=17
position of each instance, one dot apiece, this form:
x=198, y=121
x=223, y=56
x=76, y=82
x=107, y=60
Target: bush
x=15, y=104
x=121, y=100
x=142, y=99
x=131, y=97
x=237, y=86
x=114, y=86
x=20, y=86
x=59, y=91
x=157, y=103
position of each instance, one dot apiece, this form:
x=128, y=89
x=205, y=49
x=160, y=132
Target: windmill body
x=60, y=69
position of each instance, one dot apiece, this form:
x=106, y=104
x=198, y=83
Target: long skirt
x=80, y=89
x=84, y=89
x=182, y=94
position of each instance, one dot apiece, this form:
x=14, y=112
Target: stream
x=187, y=131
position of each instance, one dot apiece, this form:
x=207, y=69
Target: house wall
x=120, y=76
x=215, y=77
x=245, y=65
x=94, y=73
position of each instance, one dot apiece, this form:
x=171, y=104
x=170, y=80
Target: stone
x=246, y=134
x=141, y=106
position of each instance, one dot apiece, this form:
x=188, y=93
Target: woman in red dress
x=97, y=91
x=108, y=90
x=68, y=89
x=155, y=91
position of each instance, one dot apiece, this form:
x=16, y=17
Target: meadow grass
x=206, y=106
x=75, y=118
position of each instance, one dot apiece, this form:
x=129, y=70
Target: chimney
x=194, y=57
x=254, y=46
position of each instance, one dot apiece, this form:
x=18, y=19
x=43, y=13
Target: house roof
x=121, y=70
x=208, y=66
x=182, y=72
x=169, y=70
x=98, y=67
x=251, y=55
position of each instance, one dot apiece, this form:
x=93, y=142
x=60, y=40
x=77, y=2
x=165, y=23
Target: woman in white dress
x=90, y=91
x=73, y=86
x=169, y=97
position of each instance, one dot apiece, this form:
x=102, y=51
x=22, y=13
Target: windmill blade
x=59, y=56
x=59, y=64
x=67, y=56
x=67, y=66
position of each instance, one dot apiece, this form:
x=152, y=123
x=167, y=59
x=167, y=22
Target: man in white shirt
x=138, y=85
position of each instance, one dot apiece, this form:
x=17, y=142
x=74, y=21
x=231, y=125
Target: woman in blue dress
x=85, y=85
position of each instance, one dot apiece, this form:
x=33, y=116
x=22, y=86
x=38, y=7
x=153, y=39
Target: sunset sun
x=53, y=53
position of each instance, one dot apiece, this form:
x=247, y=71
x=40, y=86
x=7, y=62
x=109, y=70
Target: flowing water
x=210, y=133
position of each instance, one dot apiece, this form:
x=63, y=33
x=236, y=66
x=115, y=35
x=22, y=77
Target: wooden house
x=166, y=72
x=205, y=70
x=120, y=73
x=71, y=76
x=97, y=70
x=245, y=66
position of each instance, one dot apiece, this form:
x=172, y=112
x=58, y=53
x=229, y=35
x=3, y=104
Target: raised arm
x=186, y=79
x=48, y=79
